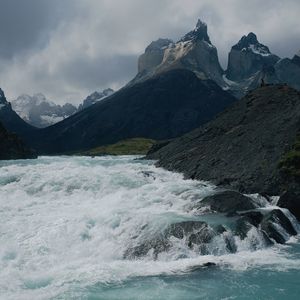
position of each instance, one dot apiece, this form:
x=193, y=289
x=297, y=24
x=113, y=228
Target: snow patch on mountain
x=38, y=111
x=95, y=97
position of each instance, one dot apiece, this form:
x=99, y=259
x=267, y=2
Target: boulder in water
x=277, y=226
x=291, y=201
x=229, y=202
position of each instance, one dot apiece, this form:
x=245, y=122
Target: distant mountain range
x=38, y=111
x=94, y=98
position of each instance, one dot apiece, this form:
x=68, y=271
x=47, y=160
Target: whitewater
x=66, y=222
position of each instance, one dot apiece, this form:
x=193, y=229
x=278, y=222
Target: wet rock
x=195, y=232
x=277, y=226
x=253, y=217
x=291, y=201
x=247, y=222
x=229, y=202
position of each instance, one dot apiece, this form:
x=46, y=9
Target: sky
x=67, y=49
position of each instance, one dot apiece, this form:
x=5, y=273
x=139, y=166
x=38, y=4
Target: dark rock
x=196, y=233
x=291, y=201
x=272, y=220
x=253, y=217
x=242, y=147
x=12, y=147
x=229, y=202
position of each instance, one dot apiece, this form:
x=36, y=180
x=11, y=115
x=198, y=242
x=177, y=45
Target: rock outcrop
x=12, y=147
x=242, y=148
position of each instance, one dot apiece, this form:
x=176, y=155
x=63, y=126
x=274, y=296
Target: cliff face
x=193, y=52
x=242, y=148
x=12, y=147
x=248, y=57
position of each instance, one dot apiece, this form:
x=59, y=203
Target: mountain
x=242, y=148
x=193, y=52
x=11, y=120
x=248, y=57
x=288, y=71
x=249, y=62
x=40, y=112
x=12, y=147
x=165, y=106
x=94, y=98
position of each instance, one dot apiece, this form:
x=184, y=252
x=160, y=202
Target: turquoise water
x=66, y=222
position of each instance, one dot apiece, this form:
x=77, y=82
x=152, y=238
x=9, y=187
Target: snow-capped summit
x=38, y=111
x=248, y=57
x=250, y=43
x=94, y=98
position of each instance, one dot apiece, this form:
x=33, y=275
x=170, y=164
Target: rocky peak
x=296, y=59
x=2, y=97
x=251, y=43
x=248, y=57
x=95, y=97
x=198, y=34
x=153, y=55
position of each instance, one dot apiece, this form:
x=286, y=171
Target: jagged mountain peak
x=2, y=97
x=198, y=34
x=250, y=43
x=95, y=97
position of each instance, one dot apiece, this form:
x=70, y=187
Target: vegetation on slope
x=136, y=146
x=290, y=163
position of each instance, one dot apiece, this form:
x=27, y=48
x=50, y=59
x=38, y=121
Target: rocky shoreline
x=251, y=148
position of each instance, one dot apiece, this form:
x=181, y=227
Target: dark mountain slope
x=11, y=147
x=243, y=146
x=163, y=107
x=11, y=120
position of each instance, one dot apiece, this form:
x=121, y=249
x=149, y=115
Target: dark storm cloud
x=69, y=48
x=26, y=24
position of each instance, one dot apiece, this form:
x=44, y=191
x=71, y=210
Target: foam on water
x=66, y=223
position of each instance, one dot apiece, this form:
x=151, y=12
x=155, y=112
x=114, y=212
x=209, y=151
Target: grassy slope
x=136, y=146
x=290, y=163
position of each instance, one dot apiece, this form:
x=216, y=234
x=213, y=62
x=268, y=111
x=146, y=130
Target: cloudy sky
x=67, y=49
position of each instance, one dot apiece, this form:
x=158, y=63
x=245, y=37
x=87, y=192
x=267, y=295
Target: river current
x=66, y=222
